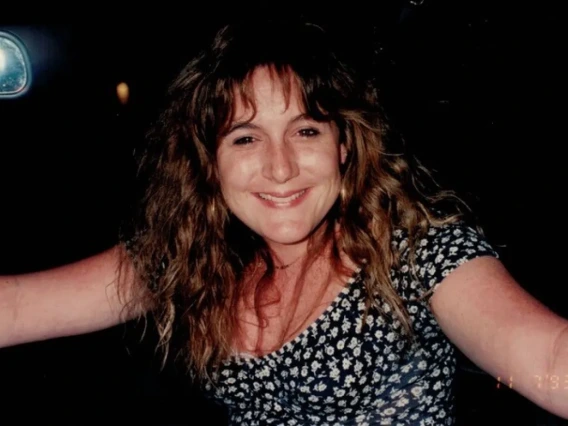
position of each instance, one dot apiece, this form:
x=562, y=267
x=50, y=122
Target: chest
x=341, y=366
x=266, y=324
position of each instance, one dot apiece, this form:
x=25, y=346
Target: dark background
x=477, y=89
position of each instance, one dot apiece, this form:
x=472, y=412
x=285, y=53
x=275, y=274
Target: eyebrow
x=249, y=125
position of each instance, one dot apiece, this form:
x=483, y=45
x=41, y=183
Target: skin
x=479, y=306
x=280, y=151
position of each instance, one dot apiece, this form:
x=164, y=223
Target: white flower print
x=335, y=373
x=342, y=373
x=339, y=393
x=349, y=379
x=416, y=391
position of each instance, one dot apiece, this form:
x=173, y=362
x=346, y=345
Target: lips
x=282, y=199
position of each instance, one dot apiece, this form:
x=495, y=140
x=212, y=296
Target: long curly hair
x=193, y=257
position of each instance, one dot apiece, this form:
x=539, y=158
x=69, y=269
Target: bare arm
x=68, y=300
x=505, y=331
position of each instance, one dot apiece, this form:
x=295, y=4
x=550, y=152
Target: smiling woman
x=299, y=262
x=279, y=168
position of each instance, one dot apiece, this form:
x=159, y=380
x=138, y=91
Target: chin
x=287, y=236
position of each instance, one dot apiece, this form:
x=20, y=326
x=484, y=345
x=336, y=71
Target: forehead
x=267, y=91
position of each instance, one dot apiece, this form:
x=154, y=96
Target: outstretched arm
x=505, y=331
x=77, y=298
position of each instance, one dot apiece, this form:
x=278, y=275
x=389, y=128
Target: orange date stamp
x=544, y=382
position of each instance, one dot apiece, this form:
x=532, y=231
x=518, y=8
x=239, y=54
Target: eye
x=245, y=140
x=309, y=132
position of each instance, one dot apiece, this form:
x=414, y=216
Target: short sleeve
x=445, y=248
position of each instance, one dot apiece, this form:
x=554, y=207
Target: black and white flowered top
x=342, y=372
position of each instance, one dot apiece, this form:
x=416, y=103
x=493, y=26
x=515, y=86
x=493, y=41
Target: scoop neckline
x=244, y=358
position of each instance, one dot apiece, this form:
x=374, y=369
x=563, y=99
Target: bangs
x=300, y=61
x=284, y=79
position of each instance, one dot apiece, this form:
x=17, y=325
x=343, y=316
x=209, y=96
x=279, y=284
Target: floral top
x=340, y=371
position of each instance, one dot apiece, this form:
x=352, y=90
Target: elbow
x=557, y=377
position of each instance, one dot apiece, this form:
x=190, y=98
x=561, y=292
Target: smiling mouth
x=283, y=200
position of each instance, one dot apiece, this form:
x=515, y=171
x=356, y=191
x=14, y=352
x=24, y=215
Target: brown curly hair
x=193, y=256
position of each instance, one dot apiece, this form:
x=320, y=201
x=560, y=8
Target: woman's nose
x=280, y=162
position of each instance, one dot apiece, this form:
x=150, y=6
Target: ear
x=343, y=153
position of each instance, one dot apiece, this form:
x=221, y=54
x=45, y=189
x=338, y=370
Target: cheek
x=324, y=160
x=225, y=168
x=224, y=173
x=329, y=165
x=233, y=178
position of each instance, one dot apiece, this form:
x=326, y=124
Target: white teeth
x=281, y=200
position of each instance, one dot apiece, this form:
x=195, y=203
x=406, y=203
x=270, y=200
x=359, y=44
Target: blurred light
x=2, y=60
x=123, y=93
x=14, y=66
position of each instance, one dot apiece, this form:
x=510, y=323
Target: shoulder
x=439, y=251
x=453, y=243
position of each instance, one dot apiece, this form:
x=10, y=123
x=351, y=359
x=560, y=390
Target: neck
x=285, y=255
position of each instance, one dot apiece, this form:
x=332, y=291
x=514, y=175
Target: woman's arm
x=505, y=331
x=72, y=299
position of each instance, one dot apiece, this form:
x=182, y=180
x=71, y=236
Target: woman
x=303, y=266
